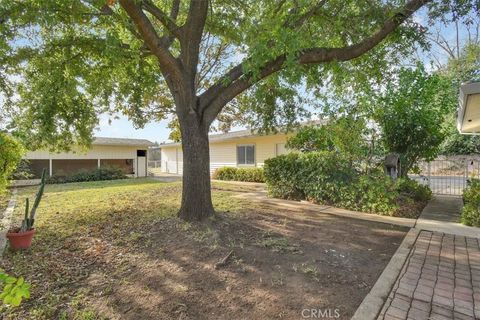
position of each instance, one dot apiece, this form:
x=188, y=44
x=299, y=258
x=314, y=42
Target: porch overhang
x=468, y=119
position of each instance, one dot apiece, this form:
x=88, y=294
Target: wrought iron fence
x=448, y=175
x=154, y=164
x=154, y=168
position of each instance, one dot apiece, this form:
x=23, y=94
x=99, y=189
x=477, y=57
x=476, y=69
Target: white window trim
x=254, y=164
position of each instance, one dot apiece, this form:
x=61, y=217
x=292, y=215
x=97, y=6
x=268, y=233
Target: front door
x=141, y=163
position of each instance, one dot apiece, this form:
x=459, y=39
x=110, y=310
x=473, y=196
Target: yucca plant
x=29, y=219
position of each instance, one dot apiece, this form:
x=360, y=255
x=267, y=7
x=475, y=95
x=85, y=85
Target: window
x=246, y=154
x=141, y=153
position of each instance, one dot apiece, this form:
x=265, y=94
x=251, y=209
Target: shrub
x=331, y=178
x=225, y=173
x=282, y=175
x=11, y=152
x=375, y=193
x=98, y=174
x=239, y=174
x=326, y=177
x=413, y=189
x=22, y=172
x=322, y=176
x=471, y=208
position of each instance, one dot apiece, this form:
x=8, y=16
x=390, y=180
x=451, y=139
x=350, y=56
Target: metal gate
x=449, y=175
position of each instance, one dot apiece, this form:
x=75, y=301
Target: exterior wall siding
x=96, y=152
x=169, y=160
x=224, y=153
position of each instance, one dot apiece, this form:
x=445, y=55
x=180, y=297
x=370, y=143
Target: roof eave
x=466, y=89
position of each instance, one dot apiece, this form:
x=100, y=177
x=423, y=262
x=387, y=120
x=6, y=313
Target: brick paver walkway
x=440, y=280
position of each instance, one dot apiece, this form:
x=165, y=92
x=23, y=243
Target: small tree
x=11, y=152
x=411, y=111
x=346, y=135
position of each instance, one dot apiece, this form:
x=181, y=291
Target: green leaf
x=7, y=299
x=16, y=300
x=7, y=288
x=10, y=280
x=26, y=294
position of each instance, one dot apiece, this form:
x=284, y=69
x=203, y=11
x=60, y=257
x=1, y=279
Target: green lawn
x=115, y=250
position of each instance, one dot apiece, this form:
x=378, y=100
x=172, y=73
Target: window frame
x=254, y=155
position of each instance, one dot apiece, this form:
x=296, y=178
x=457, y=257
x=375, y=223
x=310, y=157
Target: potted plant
x=21, y=238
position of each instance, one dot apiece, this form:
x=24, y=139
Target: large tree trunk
x=196, y=193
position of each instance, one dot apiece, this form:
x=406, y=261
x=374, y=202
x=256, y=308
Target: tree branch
x=168, y=64
x=236, y=81
x=167, y=21
x=193, y=31
x=167, y=39
x=310, y=13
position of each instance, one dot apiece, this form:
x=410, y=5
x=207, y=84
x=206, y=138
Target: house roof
x=105, y=141
x=236, y=134
x=219, y=137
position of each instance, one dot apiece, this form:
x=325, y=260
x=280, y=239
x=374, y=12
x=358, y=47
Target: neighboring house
x=233, y=149
x=468, y=119
x=127, y=154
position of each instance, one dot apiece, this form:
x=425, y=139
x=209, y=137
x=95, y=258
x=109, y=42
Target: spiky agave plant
x=29, y=219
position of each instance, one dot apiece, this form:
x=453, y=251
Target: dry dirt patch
x=131, y=263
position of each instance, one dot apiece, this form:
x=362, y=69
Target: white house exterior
x=468, y=119
x=234, y=149
x=127, y=154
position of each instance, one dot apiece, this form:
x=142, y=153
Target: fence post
x=466, y=174
x=429, y=166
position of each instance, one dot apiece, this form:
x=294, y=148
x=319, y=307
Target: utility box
x=392, y=165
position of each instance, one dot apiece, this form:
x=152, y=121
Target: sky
x=158, y=131
x=123, y=128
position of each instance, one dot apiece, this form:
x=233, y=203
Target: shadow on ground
x=282, y=262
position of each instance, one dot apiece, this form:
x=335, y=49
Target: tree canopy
x=72, y=60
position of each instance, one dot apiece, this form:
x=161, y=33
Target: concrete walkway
x=6, y=220
x=442, y=214
x=443, y=208
x=166, y=177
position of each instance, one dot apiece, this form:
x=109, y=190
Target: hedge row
x=98, y=174
x=331, y=178
x=471, y=208
x=239, y=174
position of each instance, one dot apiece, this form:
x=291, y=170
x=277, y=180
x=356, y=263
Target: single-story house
x=468, y=120
x=127, y=154
x=243, y=148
